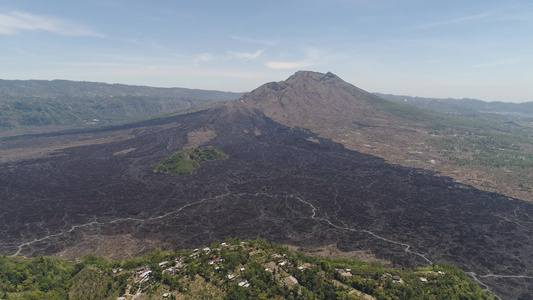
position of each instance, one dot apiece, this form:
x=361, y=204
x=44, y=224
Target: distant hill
x=25, y=103
x=465, y=106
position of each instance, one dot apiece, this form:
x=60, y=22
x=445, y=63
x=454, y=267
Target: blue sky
x=458, y=49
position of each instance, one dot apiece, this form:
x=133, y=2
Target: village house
x=290, y=280
x=344, y=273
x=144, y=277
x=243, y=283
x=163, y=264
x=397, y=279
x=215, y=261
x=142, y=269
x=232, y=276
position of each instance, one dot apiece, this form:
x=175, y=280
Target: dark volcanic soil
x=317, y=194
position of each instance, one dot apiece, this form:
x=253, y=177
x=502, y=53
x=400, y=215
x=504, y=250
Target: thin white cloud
x=99, y=65
x=496, y=63
x=433, y=61
x=203, y=57
x=133, y=41
x=245, y=56
x=256, y=41
x=453, y=21
x=277, y=65
x=314, y=56
x=16, y=21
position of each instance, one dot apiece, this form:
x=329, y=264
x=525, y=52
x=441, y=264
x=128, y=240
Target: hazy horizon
x=478, y=50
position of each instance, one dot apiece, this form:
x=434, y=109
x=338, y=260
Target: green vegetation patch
x=184, y=162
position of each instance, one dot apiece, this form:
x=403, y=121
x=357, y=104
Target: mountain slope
x=334, y=109
x=487, y=153
x=311, y=99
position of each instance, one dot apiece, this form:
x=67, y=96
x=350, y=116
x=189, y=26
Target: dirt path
x=407, y=246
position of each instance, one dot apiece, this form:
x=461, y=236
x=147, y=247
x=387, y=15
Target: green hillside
x=26, y=103
x=235, y=269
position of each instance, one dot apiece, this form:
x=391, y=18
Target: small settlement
x=142, y=276
x=226, y=266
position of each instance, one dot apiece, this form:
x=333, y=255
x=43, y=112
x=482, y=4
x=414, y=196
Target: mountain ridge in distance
x=61, y=87
x=42, y=105
x=465, y=105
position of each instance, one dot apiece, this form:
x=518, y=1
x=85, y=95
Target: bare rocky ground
x=104, y=197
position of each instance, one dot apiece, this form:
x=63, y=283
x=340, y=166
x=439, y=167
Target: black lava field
x=278, y=184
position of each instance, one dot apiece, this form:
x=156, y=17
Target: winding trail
x=487, y=288
x=407, y=246
x=474, y=275
x=52, y=235
x=27, y=244
x=142, y=221
x=506, y=276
